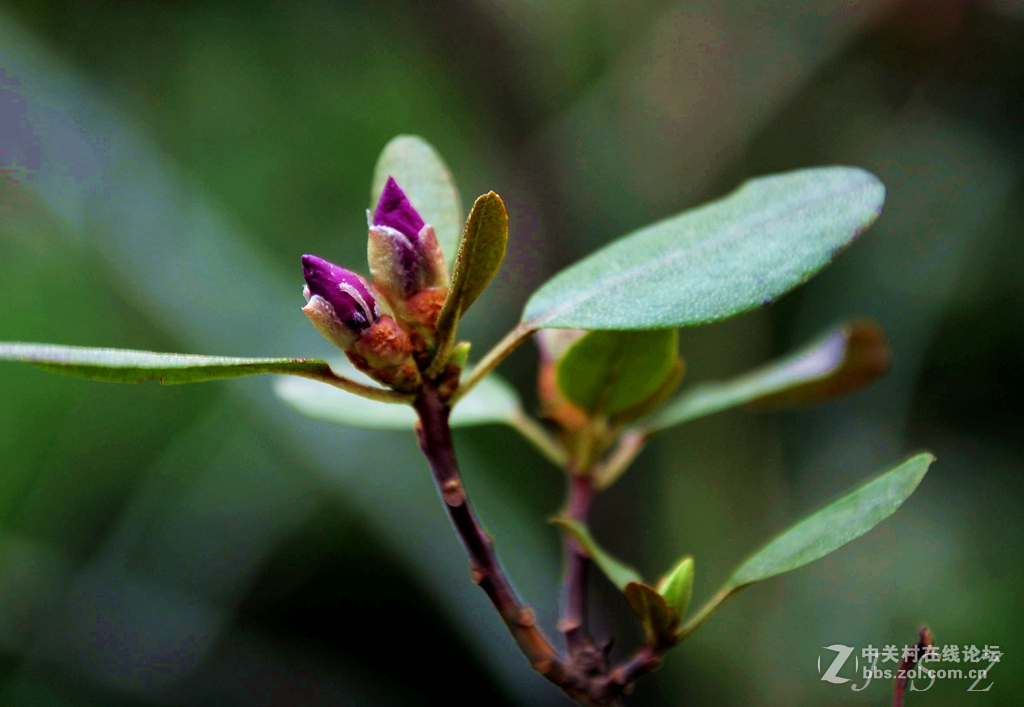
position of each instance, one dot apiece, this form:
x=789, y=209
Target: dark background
x=204, y=545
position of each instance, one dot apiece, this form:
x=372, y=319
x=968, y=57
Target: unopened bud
x=404, y=254
x=342, y=307
x=338, y=301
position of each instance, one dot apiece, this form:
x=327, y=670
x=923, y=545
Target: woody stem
x=436, y=442
x=573, y=623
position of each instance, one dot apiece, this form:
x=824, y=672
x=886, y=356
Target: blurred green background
x=168, y=163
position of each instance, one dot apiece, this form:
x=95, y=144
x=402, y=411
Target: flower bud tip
x=395, y=211
x=344, y=290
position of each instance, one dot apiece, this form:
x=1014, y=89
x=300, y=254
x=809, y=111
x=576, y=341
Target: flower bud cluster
x=387, y=327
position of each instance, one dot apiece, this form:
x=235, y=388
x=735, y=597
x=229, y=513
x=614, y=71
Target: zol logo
x=831, y=673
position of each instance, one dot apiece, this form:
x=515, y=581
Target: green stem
x=495, y=356
x=533, y=431
x=706, y=611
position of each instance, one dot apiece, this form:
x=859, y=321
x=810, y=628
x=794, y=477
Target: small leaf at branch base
x=612, y=371
x=842, y=361
x=427, y=181
x=480, y=254
x=677, y=586
x=729, y=256
x=659, y=619
x=618, y=572
x=127, y=366
x=834, y=525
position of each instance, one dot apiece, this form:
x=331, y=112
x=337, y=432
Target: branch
x=573, y=623
x=436, y=442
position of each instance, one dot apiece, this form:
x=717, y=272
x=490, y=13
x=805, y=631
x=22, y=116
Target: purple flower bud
x=338, y=301
x=403, y=251
x=395, y=211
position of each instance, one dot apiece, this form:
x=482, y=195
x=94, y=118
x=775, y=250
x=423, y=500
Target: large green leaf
x=845, y=359
x=480, y=254
x=611, y=371
x=492, y=401
x=124, y=366
x=618, y=572
x=734, y=254
x=834, y=525
x=427, y=181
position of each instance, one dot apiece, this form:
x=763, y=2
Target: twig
x=495, y=356
x=532, y=430
x=573, y=623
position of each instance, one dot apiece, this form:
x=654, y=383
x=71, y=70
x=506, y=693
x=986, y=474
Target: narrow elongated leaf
x=610, y=371
x=492, y=401
x=618, y=572
x=845, y=359
x=729, y=256
x=836, y=524
x=427, y=181
x=125, y=366
x=480, y=254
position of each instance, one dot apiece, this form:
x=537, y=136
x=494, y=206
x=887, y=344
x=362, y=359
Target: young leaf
x=125, y=366
x=619, y=573
x=821, y=533
x=836, y=524
x=480, y=254
x=659, y=619
x=677, y=586
x=847, y=358
x=428, y=183
x=611, y=371
x=493, y=401
x=734, y=254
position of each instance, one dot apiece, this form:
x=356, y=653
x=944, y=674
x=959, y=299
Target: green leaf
x=427, y=181
x=480, y=254
x=611, y=371
x=677, y=586
x=124, y=366
x=845, y=359
x=835, y=525
x=713, y=262
x=659, y=619
x=619, y=573
x=493, y=401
